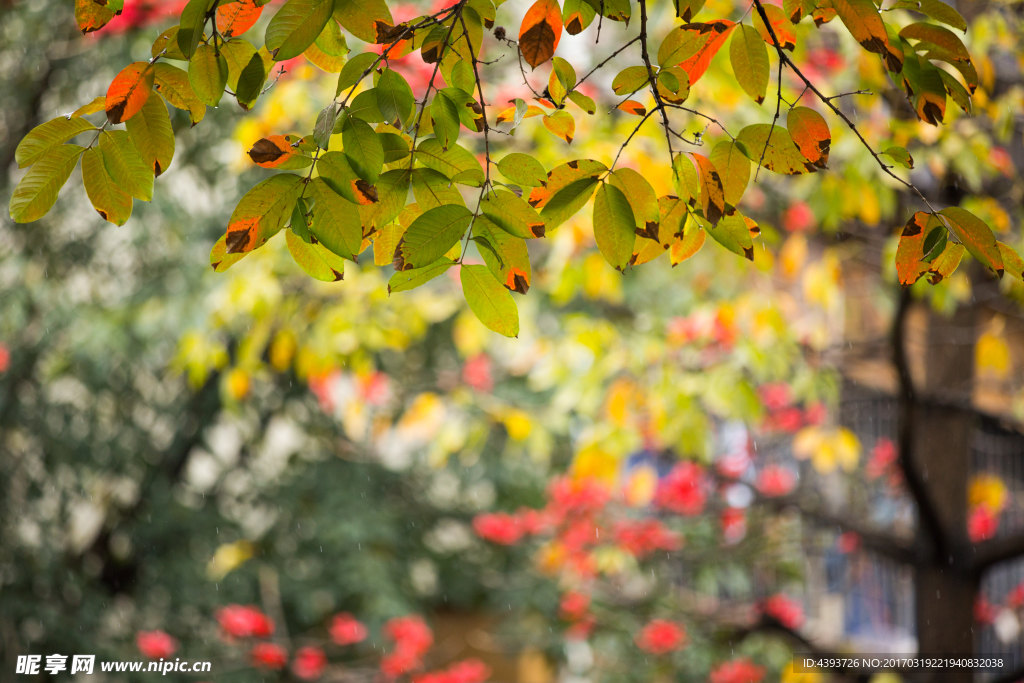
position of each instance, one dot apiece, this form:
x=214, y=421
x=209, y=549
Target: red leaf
x=238, y=17
x=129, y=91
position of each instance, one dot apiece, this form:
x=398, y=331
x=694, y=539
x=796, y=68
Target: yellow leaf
x=227, y=558
x=992, y=355
x=987, y=489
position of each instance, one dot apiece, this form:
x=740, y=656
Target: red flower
x=785, y=420
x=775, y=480
x=815, y=414
x=468, y=671
x=375, y=388
x=268, y=656
x=155, y=644
x=399, y=662
x=577, y=497
x=533, y=521
x=477, y=373
x=733, y=465
x=643, y=537
x=309, y=663
x=346, y=630
x=737, y=671
x=775, y=395
x=661, y=636
x=882, y=456
x=982, y=524
x=410, y=634
x=574, y=605
x=784, y=610
x=498, y=527
x=5, y=358
x=734, y=525
x=242, y=621
x=798, y=217
x=682, y=491
x=984, y=611
x=848, y=542
x=1015, y=598
x=581, y=629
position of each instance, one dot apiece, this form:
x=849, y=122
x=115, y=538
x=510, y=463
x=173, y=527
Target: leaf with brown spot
x=220, y=259
x=562, y=124
x=262, y=212
x=129, y=91
x=315, y=259
x=506, y=255
x=865, y=24
x=900, y=156
x=910, y=264
x=512, y=214
x=152, y=135
x=431, y=235
x=781, y=154
x=945, y=263
x=540, y=32
x=642, y=199
x=633, y=107
x=733, y=167
x=705, y=41
x=712, y=192
x=783, y=30
x=811, y=135
x=797, y=9
x=335, y=169
x=279, y=151
x=733, y=233
x=688, y=244
x=92, y=16
x=1013, y=264
x=577, y=16
x=749, y=58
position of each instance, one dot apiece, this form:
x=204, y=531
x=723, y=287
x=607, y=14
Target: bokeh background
x=682, y=472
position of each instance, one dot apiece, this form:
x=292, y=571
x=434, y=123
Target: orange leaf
x=129, y=91
x=718, y=31
x=865, y=24
x=518, y=280
x=782, y=27
x=92, y=16
x=633, y=107
x=910, y=252
x=540, y=32
x=238, y=17
x=510, y=114
x=811, y=135
x=273, y=151
x=562, y=124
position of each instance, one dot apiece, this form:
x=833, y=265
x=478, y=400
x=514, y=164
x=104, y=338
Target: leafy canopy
x=380, y=166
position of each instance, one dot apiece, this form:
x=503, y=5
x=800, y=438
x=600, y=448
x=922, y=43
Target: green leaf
x=335, y=220
x=564, y=72
x=325, y=125
x=444, y=118
x=125, y=165
x=567, y=201
x=45, y=137
x=208, y=74
x=109, y=200
x=506, y=255
x=237, y=53
x=364, y=107
x=642, y=200
x=781, y=154
x=614, y=226
x=151, y=133
x=749, y=58
x=354, y=69
x=629, y=80
x=361, y=18
x=262, y=212
x=394, y=97
x=583, y=102
x=250, y=82
x=432, y=188
x=733, y=234
x=363, y=149
x=335, y=169
x=295, y=26
x=410, y=279
x=976, y=236
x=730, y=159
x=512, y=214
x=491, y=303
x=936, y=9
x=463, y=77
x=457, y=163
x=687, y=9
x=680, y=44
x=522, y=169
x=431, y=236
x=329, y=49
x=900, y=156
x=316, y=260
x=172, y=83
x=190, y=28
x=37, y=191
x=167, y=42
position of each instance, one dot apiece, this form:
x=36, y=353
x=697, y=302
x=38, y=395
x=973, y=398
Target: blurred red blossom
x=784, y=420
x=643, y=537
x=498, y=527
x=984, y=611
x=412, y=640
x=682, y=490
x=815, y=413
x=775, y=395
x=576, y=497
x=661, y=636
x=466, y=671
x=477, y=373
x=346, y=630
x=734, y=525
x=775, y=480
x=798, y=217
x=155, y=644
x=848, y=542
x=982, y=524
x=882, y=456
x=737, y=671
x=268, y=656
x=5, y=358
x=784, y=610
x=574, y=605
x=243, y=621
x=309, y=663
x=1015, y=598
